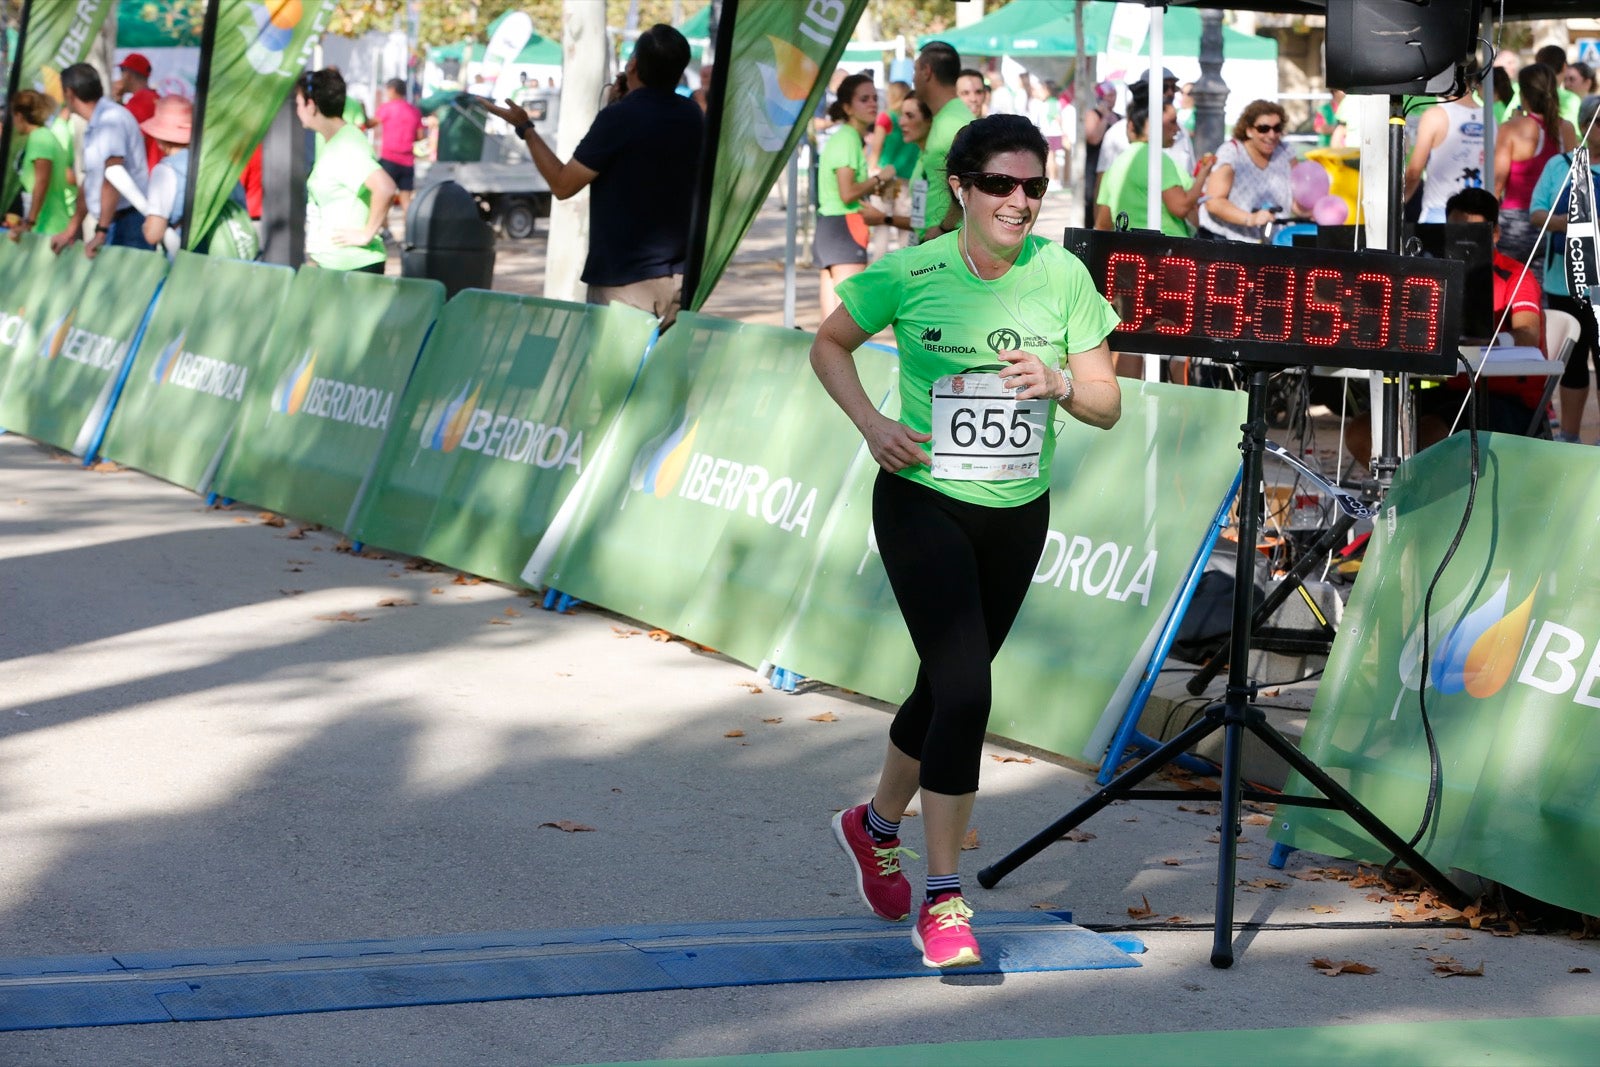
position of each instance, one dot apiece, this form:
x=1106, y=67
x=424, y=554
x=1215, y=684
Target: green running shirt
x=844, y=149
x=946, y=320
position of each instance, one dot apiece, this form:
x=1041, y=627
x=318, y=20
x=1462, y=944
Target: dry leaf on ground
x=269, y=519
x=620, y=632
x=1173, y=862
x=1449, y=968
x=1578, y=970
x=1010, y=759
x=1331, y=967
x=343, y=616
x=1142, y=911
x=291, y=592
x=396, y=602
x=734, y=733
x=499, y=622
x=1265, y=883
x=970, y=842
x=1077, y=835
x=1323, y=909
x=826, y=716
x=1042, y=905
x=1258, y=820
x=569, y=826
x=660, y=635
x=775, y=720
x=466, y=579
x=513, y=613
x=298, y=533
x=1458, y=935
x=752, y=686
x=240, y=518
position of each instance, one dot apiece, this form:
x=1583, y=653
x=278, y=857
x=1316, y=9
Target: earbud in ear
x=961, y=198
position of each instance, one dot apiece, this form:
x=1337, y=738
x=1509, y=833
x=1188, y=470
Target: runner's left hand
x=350, y=238
x=1029, y=376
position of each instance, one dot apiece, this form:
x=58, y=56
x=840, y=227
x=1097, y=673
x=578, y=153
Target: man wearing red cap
x=140, y=99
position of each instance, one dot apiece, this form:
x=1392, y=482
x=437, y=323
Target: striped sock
x=940, y=884
x=879, y=827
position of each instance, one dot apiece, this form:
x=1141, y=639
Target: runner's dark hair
x=982, y=139
x=1538, y=85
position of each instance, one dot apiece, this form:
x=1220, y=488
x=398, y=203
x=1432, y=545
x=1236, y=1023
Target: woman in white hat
x=170, y=126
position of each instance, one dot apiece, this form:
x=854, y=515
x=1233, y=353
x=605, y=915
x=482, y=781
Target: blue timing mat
x=192, y=985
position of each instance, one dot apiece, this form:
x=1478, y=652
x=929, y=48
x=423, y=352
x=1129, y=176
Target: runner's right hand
x=895, y=445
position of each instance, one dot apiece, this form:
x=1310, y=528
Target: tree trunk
x=584, y=71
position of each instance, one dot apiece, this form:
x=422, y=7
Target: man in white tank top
x=1449, y=148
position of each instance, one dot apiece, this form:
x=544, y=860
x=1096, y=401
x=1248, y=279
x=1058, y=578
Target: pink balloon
x=1309, y=182
x=1330, y=211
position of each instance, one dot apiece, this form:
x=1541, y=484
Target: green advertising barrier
x=39, y=287
x=1128, y=509
x=1513, y=673
x=202, y=350
x=702, y=512
x=505, y=411
x=64, y=376
x=316, y=416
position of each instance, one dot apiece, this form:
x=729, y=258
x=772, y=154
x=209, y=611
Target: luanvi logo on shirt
x=928, y=269
x=932, y=333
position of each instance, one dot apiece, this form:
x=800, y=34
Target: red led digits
x=1275, y=303
x=1225, y=316
x=1421, y=300
x=1175, y=289
x=1324, y=320
x=1125, y=282
x=1374, y=302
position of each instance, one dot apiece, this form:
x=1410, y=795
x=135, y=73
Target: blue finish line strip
x=209, y=984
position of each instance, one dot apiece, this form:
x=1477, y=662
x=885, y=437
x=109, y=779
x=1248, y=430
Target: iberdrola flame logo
x=785, y=84
x=274, y=23
x=443, y=431
x=661, y=463
x=1475, y=656
x=291, y=390
x=166, y=359
x=56, y=336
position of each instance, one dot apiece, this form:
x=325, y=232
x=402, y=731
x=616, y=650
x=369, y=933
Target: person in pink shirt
x=401, y=126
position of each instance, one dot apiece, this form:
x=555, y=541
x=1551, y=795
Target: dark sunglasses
x=1003, y=184
x=1275, y=127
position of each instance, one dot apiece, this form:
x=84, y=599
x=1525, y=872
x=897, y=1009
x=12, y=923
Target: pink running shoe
x=944, y=933
x=878, y=876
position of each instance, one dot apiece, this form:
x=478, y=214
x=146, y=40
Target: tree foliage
x=449, y=21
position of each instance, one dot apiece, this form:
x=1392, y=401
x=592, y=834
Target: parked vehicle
x=480, y=154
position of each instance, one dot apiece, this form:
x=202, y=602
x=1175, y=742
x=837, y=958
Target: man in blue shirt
x=641, y=158
x=112, y=139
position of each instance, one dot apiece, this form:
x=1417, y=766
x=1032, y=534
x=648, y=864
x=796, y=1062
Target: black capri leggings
x=959, y=572
x=1576, y=376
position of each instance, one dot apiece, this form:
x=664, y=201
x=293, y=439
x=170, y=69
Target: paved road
x=196, y=749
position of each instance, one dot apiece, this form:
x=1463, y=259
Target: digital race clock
x=1245, y=303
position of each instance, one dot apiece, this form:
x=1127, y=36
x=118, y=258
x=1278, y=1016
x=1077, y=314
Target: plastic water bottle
x=1309, y=499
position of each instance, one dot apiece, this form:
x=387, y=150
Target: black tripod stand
x=1233, y=716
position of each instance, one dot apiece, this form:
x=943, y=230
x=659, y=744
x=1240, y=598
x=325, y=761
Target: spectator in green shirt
x=44, y=168
x=1125, y=187
x=347, y=194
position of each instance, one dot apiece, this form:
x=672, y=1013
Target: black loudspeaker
x=1391, y=47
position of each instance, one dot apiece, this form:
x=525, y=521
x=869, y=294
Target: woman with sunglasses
x=843, y=214
x=983, y=318
x=1249, y=185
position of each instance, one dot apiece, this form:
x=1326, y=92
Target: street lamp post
x=1210, y=91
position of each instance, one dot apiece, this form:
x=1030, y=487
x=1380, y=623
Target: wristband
x=1066, y=390
x=102, y=229
x=522, y=130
